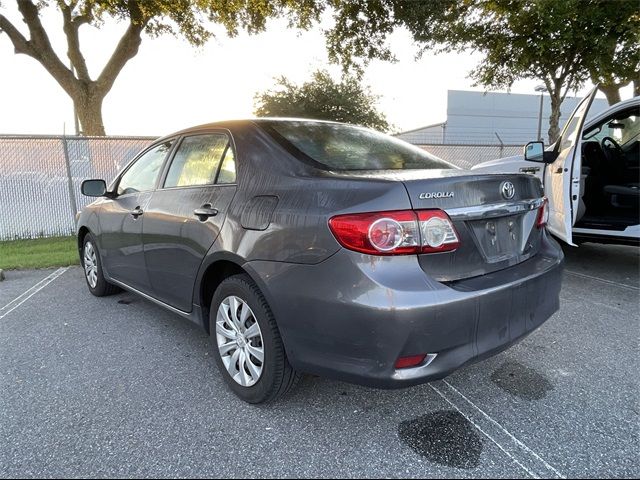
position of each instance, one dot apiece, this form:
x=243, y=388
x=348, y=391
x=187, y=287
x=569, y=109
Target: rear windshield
x=336, y=146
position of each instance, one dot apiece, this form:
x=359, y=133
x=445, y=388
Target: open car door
x=562, y=177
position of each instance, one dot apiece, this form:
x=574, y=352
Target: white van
x=591, y=174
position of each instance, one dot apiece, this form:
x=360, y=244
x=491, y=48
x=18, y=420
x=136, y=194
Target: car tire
x=92, y=265
x=239, y=366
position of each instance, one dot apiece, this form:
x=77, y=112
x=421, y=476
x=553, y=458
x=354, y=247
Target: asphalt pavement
x=118, y=387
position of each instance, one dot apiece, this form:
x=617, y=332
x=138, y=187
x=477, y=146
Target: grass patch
x=39, y=253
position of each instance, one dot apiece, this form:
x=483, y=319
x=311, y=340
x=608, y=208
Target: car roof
x=630, y=102
x=227, y=124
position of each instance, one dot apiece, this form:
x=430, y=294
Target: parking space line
x=16, y=302
x=533, y=475
x=531, y=454
x=598, y=279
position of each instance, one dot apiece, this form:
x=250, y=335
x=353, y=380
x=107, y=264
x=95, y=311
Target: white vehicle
x=590, y=174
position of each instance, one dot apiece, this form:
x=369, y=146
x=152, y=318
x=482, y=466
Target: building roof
x=421, y=128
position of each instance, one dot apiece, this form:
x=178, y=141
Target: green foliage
x=360, y=32
x=549, y=40
x=191, y=19
x=188, y=19
x=520, y=39
x=539, y=39
x=614, y=57
x=561, y=42
x=39, y=253
x=322, y=98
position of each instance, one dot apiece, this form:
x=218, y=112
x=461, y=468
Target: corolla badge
x=427, y=195
x=508, y=190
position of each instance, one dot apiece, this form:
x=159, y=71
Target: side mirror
x=94, y=188
x=534, y=152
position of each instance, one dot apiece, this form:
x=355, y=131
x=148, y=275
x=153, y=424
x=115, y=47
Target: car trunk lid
x=495, y=232
x=494, y=215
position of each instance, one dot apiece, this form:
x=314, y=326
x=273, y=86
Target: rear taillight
x=437, y=232
x=384, y=233
x=543, y=214
x=396, y=233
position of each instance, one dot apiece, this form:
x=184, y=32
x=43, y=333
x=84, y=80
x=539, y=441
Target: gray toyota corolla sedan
x=317, y=247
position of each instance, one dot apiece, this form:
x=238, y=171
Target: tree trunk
x=612, y=92
x=87, y=94
x=89, y=110
x=554, y=118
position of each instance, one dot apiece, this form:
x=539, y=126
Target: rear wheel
x=247, y=344
x=93, y=274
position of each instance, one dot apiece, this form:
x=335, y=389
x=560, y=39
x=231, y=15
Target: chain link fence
x=467, y=155
x=40, y=176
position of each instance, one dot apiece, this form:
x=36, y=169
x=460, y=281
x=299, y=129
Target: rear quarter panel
x=292, y=225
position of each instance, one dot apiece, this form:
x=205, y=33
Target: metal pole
x=72, y=193
x=76, y=122
x=501, y=144
x=540, y=118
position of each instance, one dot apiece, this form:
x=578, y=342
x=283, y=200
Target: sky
x=171, y=85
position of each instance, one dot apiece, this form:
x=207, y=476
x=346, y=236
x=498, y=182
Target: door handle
x=205, y=212
x=136, y=212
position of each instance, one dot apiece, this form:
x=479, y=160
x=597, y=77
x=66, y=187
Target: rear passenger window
x=197, y=160
x=228, y=169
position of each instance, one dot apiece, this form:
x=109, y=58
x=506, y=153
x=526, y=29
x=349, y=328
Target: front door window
x=143, y=174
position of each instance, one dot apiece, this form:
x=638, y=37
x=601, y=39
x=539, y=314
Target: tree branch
x=81, y=20
x=20, y=43
x=41, y=49
x=70, y=27
x=126, y=49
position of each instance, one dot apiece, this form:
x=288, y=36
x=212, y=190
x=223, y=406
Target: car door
x=562, y=177
x=184, y=216
x=122, y=217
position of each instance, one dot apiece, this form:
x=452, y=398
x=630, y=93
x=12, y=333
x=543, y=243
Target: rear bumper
x=351, y=316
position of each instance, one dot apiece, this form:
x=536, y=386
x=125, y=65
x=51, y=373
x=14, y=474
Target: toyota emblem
x=508, y=190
